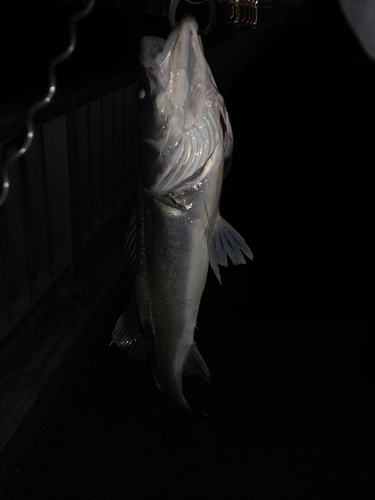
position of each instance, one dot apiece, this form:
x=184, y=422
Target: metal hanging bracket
x=213, y=14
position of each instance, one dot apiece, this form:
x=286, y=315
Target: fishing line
x=4, y=175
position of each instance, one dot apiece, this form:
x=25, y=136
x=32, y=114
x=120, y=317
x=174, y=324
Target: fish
x=176, y=231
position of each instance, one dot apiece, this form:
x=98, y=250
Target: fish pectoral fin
x=127, y=332
x=195, y=365
x=222, y=241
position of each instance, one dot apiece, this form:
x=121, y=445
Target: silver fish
x=186, y=135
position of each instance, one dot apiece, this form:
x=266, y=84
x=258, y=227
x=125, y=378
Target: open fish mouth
x=188, y=109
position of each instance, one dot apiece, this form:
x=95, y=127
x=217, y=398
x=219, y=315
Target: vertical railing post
x=38, y=206
x=128, y=140
x=96, y=172
x=118, y=146
x=135, y=141
x=61, y=161
x=107, y=119
x=17, y=237
x=84, y=172
x=4, y=303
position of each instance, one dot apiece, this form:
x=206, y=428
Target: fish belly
x=172, y=265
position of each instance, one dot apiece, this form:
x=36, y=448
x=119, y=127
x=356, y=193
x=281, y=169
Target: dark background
x=285, y=337
x=32, y=33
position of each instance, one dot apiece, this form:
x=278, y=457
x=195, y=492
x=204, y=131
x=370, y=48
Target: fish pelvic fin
x=127, y=332
x=224, y=241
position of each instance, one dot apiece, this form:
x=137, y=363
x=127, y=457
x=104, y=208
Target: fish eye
x=141, y=93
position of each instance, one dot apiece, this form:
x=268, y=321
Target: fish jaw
x=177, y=73
x=186, y=115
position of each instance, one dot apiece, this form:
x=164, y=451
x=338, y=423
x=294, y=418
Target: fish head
x=182, y=114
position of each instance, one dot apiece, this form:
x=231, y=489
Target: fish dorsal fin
x=224, y=241
x=127, y=332
x=195, y=365
x=129, y=241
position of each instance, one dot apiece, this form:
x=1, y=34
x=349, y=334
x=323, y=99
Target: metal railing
x=78, y=173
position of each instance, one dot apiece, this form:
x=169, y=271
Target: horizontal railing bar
x=242, y=46
x=69, y=96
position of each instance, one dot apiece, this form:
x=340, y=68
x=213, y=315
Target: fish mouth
x=176, y=69
x=190, y=112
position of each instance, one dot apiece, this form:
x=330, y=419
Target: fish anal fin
x=195, y=365
x=224, y=241
x=127, y=332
